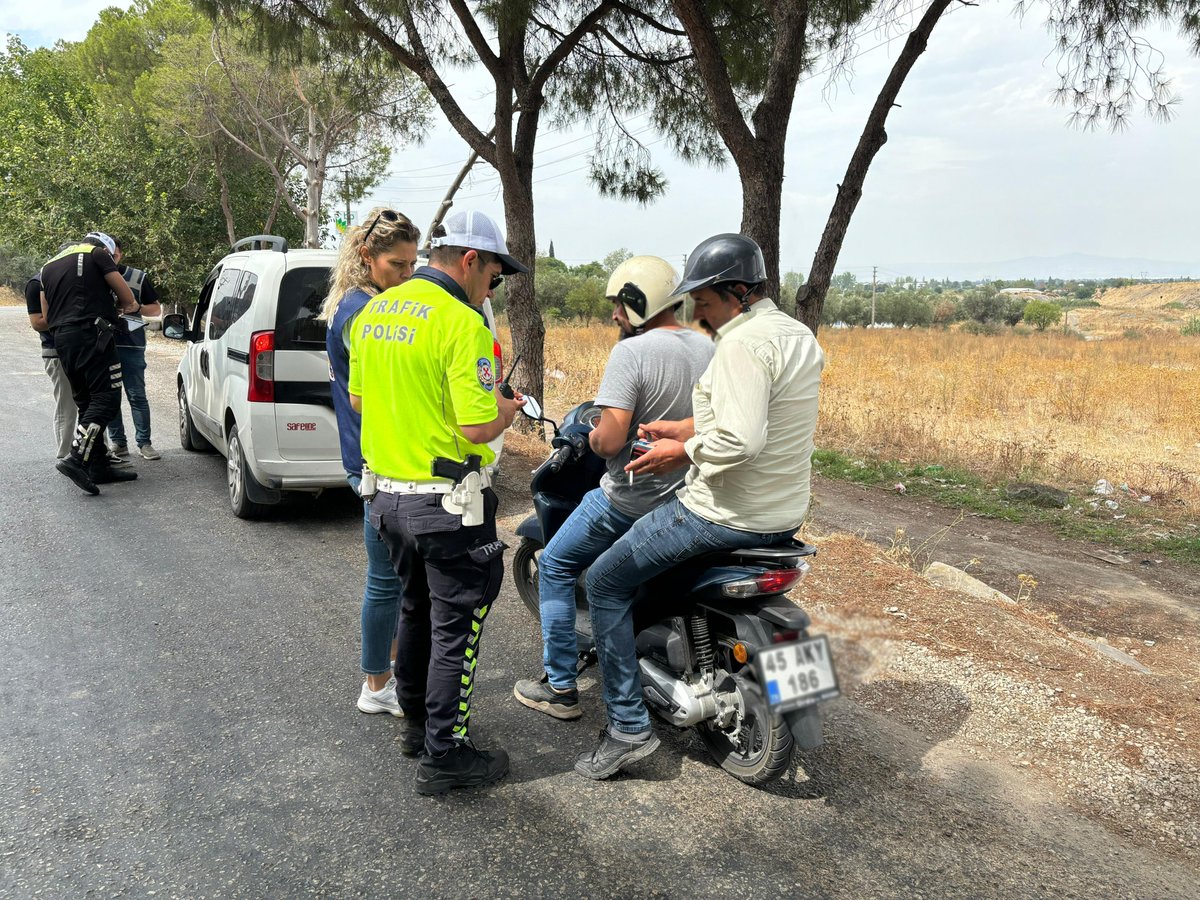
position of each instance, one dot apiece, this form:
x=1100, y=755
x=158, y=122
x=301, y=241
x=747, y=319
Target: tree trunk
x=226, y=206
x=524, y=317
x=313, y=176
x=762, y=198
x=810, y=299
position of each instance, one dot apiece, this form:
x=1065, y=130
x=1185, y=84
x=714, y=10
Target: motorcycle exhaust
x=673, y=698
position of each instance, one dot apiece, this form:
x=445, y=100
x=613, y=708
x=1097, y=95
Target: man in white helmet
x=649, y=376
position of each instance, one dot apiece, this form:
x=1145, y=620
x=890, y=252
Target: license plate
x=798, y=673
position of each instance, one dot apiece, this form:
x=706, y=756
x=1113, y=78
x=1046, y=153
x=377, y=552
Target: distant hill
x=1139, y=307
x=1072, y=266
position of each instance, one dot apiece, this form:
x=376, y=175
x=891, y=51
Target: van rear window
x=301, y=295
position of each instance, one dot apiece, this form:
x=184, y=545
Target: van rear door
x=305, y=424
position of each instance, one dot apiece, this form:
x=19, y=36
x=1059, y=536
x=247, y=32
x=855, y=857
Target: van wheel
x=239, y=478
x=189, y=437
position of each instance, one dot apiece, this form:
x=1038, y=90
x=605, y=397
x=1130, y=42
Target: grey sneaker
x=119, y=450
x=148, y=452
x=540, y=696
x=119, y=462
x=613, y=754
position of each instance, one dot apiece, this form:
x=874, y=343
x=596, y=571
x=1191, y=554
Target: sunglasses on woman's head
x=388, y=215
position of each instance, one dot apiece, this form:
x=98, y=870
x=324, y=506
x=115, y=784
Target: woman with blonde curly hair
x=374, y=257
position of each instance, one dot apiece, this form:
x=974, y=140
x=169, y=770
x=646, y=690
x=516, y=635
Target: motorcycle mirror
x=532, y=408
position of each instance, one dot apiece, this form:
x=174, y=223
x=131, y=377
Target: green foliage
x=16, y=267
x=989, y=328
x=586, y=299
x=76, y=153
x=1191, y=328
x=1041, y=314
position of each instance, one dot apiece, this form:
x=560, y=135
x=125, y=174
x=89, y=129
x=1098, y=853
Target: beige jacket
x=755, y=409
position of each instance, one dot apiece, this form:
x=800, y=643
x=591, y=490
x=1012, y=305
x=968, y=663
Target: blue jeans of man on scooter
x=656, y=542
x=592, y=528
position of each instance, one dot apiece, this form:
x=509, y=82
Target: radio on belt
x=466, y=497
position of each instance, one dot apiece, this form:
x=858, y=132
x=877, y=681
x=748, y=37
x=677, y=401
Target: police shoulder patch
x=483, y=371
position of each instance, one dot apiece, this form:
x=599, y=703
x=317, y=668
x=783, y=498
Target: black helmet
x=722, y=258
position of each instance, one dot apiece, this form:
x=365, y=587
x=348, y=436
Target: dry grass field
x=1040, y=406
x=1147, y=308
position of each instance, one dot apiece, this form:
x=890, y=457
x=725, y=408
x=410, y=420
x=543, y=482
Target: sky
x=980, y=165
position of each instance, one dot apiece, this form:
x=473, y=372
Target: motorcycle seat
x=774, y=556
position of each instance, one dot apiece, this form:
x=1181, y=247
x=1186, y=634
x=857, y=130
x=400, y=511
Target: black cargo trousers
x=89, y=358
x=451, y=575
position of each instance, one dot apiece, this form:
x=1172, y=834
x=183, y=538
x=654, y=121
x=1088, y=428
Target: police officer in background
x=422, y=376
x=77, y=303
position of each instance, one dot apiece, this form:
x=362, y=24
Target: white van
x=254, y=380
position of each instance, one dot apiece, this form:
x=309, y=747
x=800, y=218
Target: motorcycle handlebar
x=557, y=458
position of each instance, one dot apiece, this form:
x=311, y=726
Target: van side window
x=301, y=294
x=228, y=303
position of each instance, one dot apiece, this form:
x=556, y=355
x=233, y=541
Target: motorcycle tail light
x=782, y=637
x=773, y=581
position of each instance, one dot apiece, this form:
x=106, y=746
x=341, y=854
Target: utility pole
x=346, y=190
x=874, y=273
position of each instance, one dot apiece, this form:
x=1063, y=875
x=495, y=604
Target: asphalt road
x=177, y=720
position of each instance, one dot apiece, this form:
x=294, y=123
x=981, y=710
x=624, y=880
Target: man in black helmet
x=748, y=446
x=78, y=285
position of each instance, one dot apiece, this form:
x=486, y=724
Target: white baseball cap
x=476, y=231
x=109, y=244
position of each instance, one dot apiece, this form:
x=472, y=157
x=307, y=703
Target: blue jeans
x=590, y=530
x=381, y=597
x=657, y=542
x=133, y=372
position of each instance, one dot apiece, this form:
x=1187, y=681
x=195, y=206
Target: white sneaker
x=381, y=701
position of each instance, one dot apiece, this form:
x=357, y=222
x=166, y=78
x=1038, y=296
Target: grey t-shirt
x=653, y=375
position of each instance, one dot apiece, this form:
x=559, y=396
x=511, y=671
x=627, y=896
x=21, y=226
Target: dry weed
x=1015, y=406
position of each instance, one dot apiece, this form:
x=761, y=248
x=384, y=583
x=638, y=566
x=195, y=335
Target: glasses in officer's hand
x=388, y=215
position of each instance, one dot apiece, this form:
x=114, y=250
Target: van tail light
x=773, y=581
x=262, y=367
x=499, y=354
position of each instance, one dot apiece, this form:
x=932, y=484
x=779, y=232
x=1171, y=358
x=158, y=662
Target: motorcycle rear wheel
x=761, y=750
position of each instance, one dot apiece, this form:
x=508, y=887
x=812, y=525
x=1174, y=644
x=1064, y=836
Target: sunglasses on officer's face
x=388, y=215
x=497, y=280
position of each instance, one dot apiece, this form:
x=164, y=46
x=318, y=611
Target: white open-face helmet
x=643, y=285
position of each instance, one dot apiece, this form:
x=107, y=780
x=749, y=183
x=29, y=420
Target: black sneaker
x=540, y=696
x=464, y=766
x=613, y=754
x=412, y=737
x=103, y=472
x=78, y=473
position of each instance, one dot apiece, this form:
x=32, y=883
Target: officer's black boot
x=102, y=470
x=75, y=465
x=461, y=767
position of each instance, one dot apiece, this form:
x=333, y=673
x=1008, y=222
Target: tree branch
x=811, y=296
x=718, y=87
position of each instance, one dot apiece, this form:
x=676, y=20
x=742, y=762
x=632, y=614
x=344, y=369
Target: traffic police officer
x=79, y=311
x=422, y=376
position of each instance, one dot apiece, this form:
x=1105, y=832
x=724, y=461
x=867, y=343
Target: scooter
x=721, y=648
